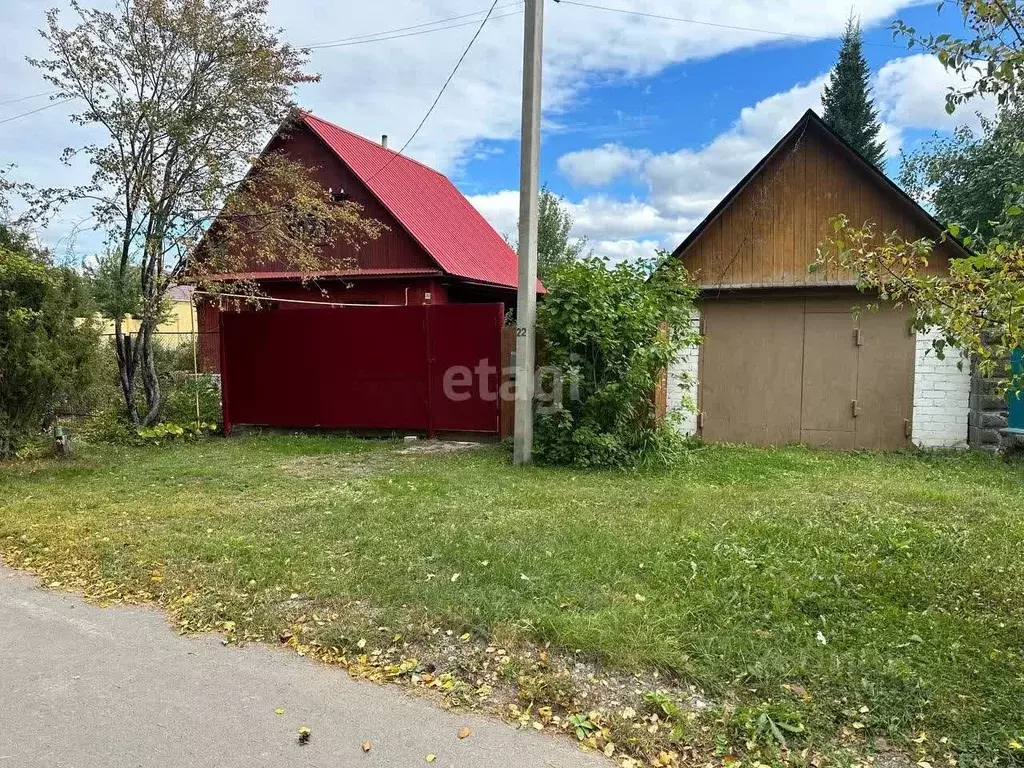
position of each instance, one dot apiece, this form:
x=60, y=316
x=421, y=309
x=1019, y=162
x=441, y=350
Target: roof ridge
x=397, y=155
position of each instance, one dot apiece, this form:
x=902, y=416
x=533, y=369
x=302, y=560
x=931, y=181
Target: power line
x=439, y=94
x=368, y=38
x=26, y=98
x=407, y=34
x=32, y=112
x=733, y=27
x=329, y=43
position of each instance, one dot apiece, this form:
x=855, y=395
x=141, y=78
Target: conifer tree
x=847, y=101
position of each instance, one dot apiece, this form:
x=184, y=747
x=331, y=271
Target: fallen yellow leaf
x=430, y=758
x=279, y=711
x=464, y=733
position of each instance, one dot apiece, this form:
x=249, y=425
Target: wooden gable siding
x=395, y=248
x=768, y=234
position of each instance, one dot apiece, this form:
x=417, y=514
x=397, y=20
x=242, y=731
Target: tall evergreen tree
x=846, y=99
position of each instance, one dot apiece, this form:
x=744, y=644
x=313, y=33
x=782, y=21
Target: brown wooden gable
x=765, y=232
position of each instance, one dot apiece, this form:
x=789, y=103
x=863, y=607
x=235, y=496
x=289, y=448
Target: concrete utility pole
x=526, y=314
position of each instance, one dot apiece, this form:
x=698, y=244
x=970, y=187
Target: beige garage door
x=776, y=371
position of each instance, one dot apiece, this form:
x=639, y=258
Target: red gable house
x=437, y=248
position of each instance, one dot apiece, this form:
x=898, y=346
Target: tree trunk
x=150, y=379
x=126, y=370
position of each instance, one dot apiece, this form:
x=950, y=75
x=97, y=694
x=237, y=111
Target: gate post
x=430, y=371
x=225, y=413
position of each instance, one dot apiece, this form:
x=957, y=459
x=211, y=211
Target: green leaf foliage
x=555, y=247
x=46, y=352
x=978, y=307
x=608, y=332
x=967, y=178
x=989, y=57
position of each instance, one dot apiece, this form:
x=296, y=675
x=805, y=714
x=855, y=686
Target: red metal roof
x=428, y=206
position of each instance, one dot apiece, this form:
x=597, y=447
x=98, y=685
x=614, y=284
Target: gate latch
x=854, y=408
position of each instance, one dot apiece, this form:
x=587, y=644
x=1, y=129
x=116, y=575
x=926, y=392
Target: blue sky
x=647, y=122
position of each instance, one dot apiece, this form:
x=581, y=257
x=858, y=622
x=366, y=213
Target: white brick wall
x=682, y=385
x=942, y=393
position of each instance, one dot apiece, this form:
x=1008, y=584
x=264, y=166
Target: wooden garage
x=789, y=355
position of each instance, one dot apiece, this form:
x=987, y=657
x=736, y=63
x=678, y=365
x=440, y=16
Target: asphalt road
x=88, y=687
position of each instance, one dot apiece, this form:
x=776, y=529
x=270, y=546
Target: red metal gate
x=423, y=368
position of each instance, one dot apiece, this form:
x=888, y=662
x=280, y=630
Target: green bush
x=47, y=352
x=108, y=425
x=608, y=333
x=180, y=403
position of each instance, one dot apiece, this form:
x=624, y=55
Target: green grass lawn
x=889, y=587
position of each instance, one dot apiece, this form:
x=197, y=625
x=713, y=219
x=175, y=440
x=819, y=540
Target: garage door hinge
x=858, y=337
x=701, y=326
x=855, y=408
x=908, y=428
x=700, y=420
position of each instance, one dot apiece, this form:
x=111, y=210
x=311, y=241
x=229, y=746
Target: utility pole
x=526, y=310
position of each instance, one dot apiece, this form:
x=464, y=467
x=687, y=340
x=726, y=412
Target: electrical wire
x=438, y=97
x=330, y=43
x=26, y=98
x=32, y=112
x=733, y=27
x=389, y=34
x=410, y=34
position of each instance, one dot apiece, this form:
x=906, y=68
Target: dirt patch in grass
x=342, y=465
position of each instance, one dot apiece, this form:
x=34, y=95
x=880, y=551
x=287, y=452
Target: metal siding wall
x=465, y=335
x=358, y=367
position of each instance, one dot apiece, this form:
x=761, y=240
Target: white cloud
x=625, y=250
x=685, y=185
x=690, y=182
x=501, y=209
x=385, y=87
x=600, y=166
x=600, y=218
x=911, y=93
x=613, y=228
